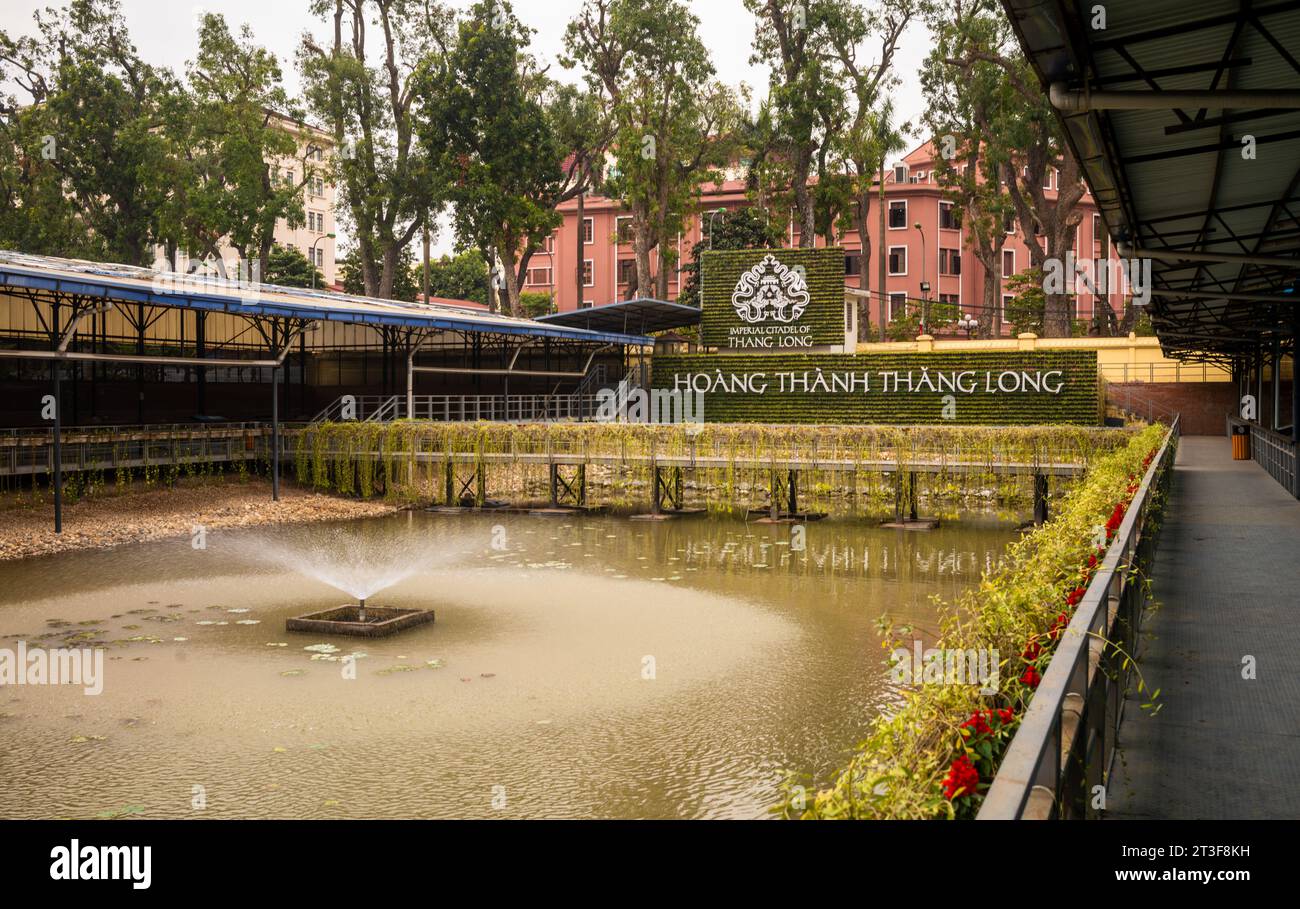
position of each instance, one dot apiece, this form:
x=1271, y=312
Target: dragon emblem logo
x=771, y=291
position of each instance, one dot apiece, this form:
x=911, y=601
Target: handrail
x=1275, y=452
x=1066, y=742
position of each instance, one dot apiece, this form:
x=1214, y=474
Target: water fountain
x=359, y=564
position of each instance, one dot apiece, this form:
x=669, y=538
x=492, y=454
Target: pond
x=579, y=666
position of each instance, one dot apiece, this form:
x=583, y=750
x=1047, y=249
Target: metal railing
x=466, y=408
x=1065, y=745
x=1274, y=452
x=28, y=452
x=1164, y=372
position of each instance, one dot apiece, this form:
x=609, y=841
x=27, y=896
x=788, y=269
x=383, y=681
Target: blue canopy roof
x=133, y=284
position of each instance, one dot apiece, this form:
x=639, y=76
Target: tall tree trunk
x=803, y=200
x=863, y=212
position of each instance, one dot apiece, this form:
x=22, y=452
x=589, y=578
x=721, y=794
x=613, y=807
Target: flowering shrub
x=936, y=756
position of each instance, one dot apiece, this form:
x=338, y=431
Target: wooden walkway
x=1228, y=575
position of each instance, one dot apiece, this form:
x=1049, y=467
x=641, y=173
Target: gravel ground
x=112, y=519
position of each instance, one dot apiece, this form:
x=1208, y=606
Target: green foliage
x=491, y=139
x=233, y=188
x=898, y=771
x=674, y=123
x=288, y=267
x=536, y=303
x=89, y=138
x=1077, y=403
x=405, y=286
x=388, y=184
x=1025, y=311
x=823, y=274
x=463, y=276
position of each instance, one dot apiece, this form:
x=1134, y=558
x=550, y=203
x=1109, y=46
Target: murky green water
x=579, y=667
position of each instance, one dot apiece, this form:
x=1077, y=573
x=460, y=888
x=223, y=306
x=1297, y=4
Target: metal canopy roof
x=642, y=315
x=1158, y=107
x=144, y=285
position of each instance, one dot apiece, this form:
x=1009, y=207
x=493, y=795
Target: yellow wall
x=1130, y=359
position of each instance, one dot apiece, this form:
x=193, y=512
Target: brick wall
x=1203, y=405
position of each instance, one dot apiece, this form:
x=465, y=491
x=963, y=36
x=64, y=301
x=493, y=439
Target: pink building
x=936, y=253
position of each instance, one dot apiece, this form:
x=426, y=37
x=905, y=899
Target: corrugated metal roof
x=1177, y=181
x=193, y=291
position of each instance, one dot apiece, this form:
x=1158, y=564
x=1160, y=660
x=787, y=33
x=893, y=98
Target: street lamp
x=925, y=285
x=716, y=211
x=968, y=324
x=311, y=253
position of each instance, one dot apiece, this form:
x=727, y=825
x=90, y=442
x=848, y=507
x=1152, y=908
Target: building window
x=1006, y=303
x=588, y=230
x=626, y=271
x=623, y=231
x=539, y=277
x=852, y=262
x=588, y=272
x=1100, y=241
x=950, y=299
x=318, y=186
x=1009, y=223
x=1008, y=262
x=898, y=214
x=949, y=262
x=949, y=217
x=900, y=173
x=897, y=306
x=898, y=260
x=1047, y=179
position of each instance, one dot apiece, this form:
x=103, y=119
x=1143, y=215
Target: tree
x=1022, y=137
x=583, y=126
x=744, y=228
x=97, y=109
x=388, y=185
x=962, y=102
x=490, y=135
x=806, y=97
x=406, y=285
x=463, y=276
x=234, y=133
x=871, y=134
x=674, y=123
x=288, y=267
x=1025, y=310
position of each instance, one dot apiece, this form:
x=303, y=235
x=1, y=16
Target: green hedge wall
x=1076, y=403
x=823, y=273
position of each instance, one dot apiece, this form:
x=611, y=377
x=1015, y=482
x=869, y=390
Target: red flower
x=1031, y=677
x=1006, y=714
x=1075, y=596
x=1092, y=560
x=1058, y=626
x=1116, y=517
x=962, y=779
x=977, y=724
x=1032, y=650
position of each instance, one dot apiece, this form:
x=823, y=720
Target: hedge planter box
x=987, y=388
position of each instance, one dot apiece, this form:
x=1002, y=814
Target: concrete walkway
x=1227, y=573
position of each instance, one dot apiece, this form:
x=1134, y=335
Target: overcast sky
x=165, y=32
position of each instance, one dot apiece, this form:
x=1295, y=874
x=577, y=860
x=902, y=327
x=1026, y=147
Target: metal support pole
x=1040, y=498
x=794, y=492
x=57, y=454
x=275, y=434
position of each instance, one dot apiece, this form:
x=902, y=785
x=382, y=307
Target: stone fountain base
x=380, y=621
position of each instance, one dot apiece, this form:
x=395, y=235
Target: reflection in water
x=579, y=667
